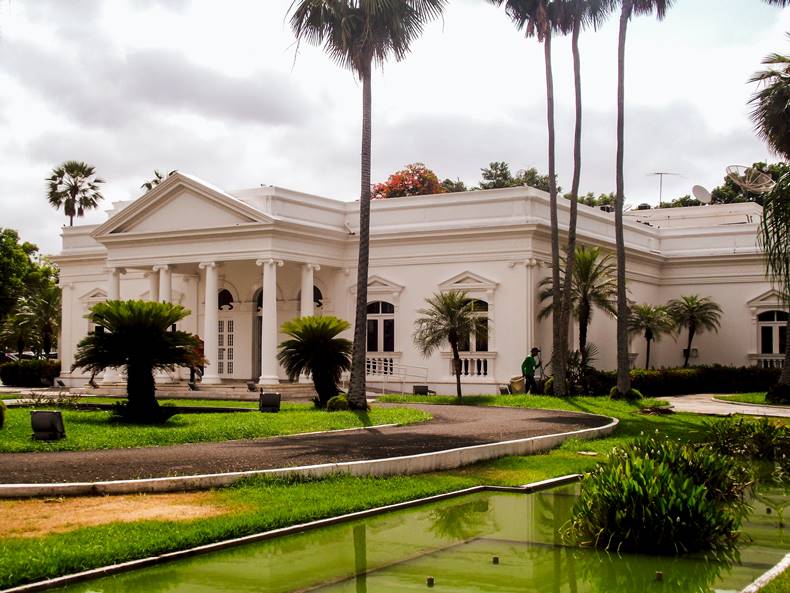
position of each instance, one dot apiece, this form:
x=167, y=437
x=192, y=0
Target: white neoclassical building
x=243, y=262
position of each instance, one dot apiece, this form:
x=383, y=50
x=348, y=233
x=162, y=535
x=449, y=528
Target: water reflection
x=460, y=521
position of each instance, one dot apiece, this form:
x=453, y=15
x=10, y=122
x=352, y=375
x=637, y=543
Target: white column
x=153, y=286
x=111, y=375
x=210, y=327
x=307, y=305
x=269, y=364
x=165, y=283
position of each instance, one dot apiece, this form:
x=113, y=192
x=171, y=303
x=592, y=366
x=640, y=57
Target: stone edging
x=404, y=465
x=766, y=406
x=765, y=578
x=267, y=535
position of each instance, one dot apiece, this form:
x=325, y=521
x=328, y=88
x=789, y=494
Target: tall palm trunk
x=456, y=365
x=623, y=379
x=570, y=254
x=558, y=354
x=357, y=393
x=647, y=354
x=584, y=324
x=692, y=331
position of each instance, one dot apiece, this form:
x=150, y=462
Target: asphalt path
x=451, y=427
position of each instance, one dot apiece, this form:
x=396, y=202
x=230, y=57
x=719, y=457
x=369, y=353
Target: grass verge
x=780, y=584
x=747, y=398
x=97, y=430
x=260, y=504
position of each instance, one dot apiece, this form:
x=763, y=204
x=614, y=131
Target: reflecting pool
x=491, y=541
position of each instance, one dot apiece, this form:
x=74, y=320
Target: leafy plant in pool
x=661, y=497
x=759, y=440
x=135, y=335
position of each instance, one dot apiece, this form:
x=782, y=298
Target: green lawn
x=264, y=503
x=9, y=396
x=747, y=398
x=96, y=430
x=780, y=584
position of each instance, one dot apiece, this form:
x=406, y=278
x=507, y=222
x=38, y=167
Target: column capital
x=314, y=267
x=115, y=270
x=160, y=267
x=270, y=261
x=204, y=265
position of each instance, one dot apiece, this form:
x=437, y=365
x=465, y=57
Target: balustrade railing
x=768, y=361
x=475, y=364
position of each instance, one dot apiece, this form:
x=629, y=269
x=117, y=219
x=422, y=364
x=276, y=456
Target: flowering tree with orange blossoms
x=413, y=180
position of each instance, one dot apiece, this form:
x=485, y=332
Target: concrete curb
x=404, y=465
x=768, y=576
x=266, y=535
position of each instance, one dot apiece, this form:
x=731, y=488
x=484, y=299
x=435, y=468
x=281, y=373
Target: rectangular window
x=220, y=354
x=230, y=354
x=230, y=326
x=221, y=368
x=766, y=340
x=389, y=335
x=221, y=326
x=221, y=340
x=230, y=339
x=373, y=335
x=230, y=368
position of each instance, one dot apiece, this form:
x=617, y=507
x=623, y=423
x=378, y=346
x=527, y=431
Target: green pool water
x=455, y=542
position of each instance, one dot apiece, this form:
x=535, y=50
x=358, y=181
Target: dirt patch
x=39, y=517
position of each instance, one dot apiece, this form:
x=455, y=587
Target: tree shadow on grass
x=363, y=416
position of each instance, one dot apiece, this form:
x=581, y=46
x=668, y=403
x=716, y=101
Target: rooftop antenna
x=702, y=194
x=750, y=179
x=660, y=175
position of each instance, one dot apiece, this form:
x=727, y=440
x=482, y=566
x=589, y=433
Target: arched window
x=381, y=327
x=225, y=300
x=477, y=342
x=772, y=332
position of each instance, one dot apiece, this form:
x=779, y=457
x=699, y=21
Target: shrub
x=749, y=439
x=29, y=373
x=778, y=394
x=2, y=413
x=661, y=497
x=337, y=403
x=631, y=395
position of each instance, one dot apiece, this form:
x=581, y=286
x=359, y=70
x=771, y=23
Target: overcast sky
x=216, y=89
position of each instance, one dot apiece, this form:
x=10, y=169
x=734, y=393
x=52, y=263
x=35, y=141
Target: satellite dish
x=750, y=179
x=702, y=194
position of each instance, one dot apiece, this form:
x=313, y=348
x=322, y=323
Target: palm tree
x=74, y=186
x=629, y=8
x=314, y=348
x=18, y=333
x=770, y=115
x=136, y=335
x=157, y=179
x=358, y=34
x=696, y=314
x=593, y=285
x=41, y=313
x=652, y=322
x=449, y=318
x=576, y=14
x=540, y=18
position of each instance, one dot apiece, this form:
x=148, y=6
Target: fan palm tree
x=771, y=111
x=18, y=333
x=74, y=186
x=541, y=18
x=576, y=15
x=696, y=314
x=628, y=9
x=358, y=34
x=136, y=335
x=652, y=322
x=449, y=318
x=593, y=286
x=314, y=348
x=41, y=313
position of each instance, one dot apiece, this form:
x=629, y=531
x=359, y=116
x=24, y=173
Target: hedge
x=29, y=373
x=685, y=381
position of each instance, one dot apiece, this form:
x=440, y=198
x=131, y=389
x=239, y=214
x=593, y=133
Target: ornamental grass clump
x=661, y=497
x=759, y=440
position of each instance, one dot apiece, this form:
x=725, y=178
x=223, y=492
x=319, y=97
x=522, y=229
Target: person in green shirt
x=528, y=367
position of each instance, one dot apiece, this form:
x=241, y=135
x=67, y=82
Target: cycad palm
x=449, y=318
x=541, y=18
x=628, y=9
x=652, y=322
x=696, y=314
x=593, y=285
x=314, y=348
x=358, y=34
x=137, y=336
x=74, y=186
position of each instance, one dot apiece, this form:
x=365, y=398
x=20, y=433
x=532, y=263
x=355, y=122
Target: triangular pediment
x=769, y=298
x=94, y=295
x=468, y=281
x=380, y=285
x=180, y=203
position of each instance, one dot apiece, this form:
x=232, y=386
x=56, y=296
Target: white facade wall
x=493, y=244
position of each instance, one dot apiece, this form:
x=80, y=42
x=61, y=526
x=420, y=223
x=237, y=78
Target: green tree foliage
x=136, y=335
x=451, y=186
x=449, y=318
x=357, y=35
x=696, y=314
x=17, y=268
x=413, y=180
x=74, y=186
x=498, y=175
x=314, y=347
x=681, y=202
x=652, y=322
x=590, y=199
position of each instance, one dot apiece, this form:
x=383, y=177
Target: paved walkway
x=451, y=427
x=705, y=404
